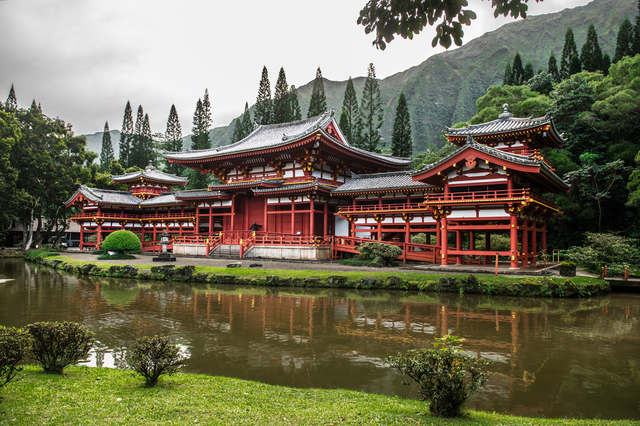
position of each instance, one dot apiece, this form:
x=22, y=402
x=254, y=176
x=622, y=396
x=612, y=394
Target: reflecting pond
x=552, y=358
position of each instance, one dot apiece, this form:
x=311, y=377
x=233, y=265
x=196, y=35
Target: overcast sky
x=83, y=59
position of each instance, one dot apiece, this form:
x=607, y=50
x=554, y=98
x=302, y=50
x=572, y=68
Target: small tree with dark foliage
x=14, y=344
x=445, y=375
x=59, y=344
x=154, y=356
x=376, y=250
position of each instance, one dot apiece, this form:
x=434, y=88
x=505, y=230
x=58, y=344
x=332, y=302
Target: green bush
x=115, y=256
x=154, y=356
x=14, y=344
x=59, y=344
x=125, y=241
x=356, y=262
x=445, y=375
x=371, y=251
x=605, y=250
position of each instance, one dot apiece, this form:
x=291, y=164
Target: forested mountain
x=443, y=90
x=94, y=142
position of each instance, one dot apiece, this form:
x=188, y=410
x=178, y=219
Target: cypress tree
x=173, y=138
x=12, y=102
x=294, y=105
x=606, y=63
x=149, y=151
x=106, y=155
x=247, y=123
x=206, y=111
x=237, y=130
x=350, y=112
x=136, y=153
x=624, y=42
x=126, y=136
x=371, y=112
x=552, y=68
x=591, y=54
x=281, y=100
x=264, y=107
x=201, y=124
x=507, y=79
x=34, y=105
x=517, y=71
x=636, y=33
x=568, y=51
x=528, y=72
x=401, y=143
x=575, y=66
x=318, y=101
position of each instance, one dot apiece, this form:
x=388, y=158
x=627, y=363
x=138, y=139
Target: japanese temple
x=300, y=190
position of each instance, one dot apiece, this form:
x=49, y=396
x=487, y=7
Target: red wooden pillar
x=246, y=215
x=525, y=243
x=438, y=233
x=82, y=236
x=210, y=220
x=293, y=216
x=266, y=217
x=534, y=242
x=514, y=240
x=381, y=218
x=458, y=247
x=472, y=242
x=444, y=245
x=233, y=211
x=312, y=210
x=197, y=230
x=326, y=217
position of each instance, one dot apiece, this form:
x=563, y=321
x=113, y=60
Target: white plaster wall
x=190, y=249
x=492, y=213
x=341, y=227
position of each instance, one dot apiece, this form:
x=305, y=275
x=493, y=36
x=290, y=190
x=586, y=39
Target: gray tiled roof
x=105, y=196
x=496, y=153
x=381, y=182
x=292, y=187
x=274, y=135
x=247, y=184
x=151, y=173
x=163, y=199
x=200, y=193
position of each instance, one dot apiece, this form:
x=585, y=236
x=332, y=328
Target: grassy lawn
x=102, y=396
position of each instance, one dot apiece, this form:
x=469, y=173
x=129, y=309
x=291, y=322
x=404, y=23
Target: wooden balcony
x=385, y=208
x=487, y=197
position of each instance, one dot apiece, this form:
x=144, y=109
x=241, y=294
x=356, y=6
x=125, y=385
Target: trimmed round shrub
x=154, y=356
x=14, y=344
x=56, y=345
x=446, y=377
x=122, y=241
x=386, y=252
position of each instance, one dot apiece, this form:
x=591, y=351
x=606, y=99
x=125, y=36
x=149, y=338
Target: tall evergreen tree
x=173, y=139
x=199, y=140
x=136, y=153
x=34, y=105
x=401, y=143
x=624, y=42
x=636, y=33
x=149, y=150
x=606, y=63
x=12, y=102
x=591, y=54
x=247, y=123
x=281, y=101
x=518, y=71
x=528, y=72
x=126, y=136
x=264, y=106
x=350, y=112
x=206, y=110
x=552, y=68
x=318, y=101
x=106, y=154
x=237, y=130
x=576, y=65
x=568, y=51
x=294, y=104
x=371, y=112
x=507, y=79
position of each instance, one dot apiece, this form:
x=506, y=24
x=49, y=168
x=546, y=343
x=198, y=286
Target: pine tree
x=636, y=33
x=12, y=102
x=237, y=130
x=206, y=110
x=281, y=102
x=126, y=136
x=552, y=68
x=149, y=150
x=528, y=72
x=401, y=143
x=624, y=43
x=591, y=53
x=575, y=66
x=350, y=112
x=568, y=51
x=318, y=101
x=606, y=63
x=264, y=107
x=199, y=140
x=106, y=155
x=247, y=123
x=34, y=105
x=294, y=105
x=518, y=71
x=173, y=138
x=136, y=153
x=371, y=112
x=507, y=79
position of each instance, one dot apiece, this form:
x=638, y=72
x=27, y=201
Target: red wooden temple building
x=299, y=190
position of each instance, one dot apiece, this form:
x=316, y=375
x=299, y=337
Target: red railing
x=92, y=214
x=410, y=251
x=147, y=190
x=485, y=196
x=384, y=207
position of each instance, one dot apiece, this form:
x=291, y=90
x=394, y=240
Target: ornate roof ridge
x=374, y=175
x=146, y=172
x=533, y=120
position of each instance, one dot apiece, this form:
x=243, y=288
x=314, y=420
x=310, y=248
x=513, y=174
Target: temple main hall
x=300, y=190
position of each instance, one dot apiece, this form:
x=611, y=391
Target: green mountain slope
x=442, y=90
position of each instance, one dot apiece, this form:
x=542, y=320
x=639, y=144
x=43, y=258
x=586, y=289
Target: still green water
x=552, y=358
